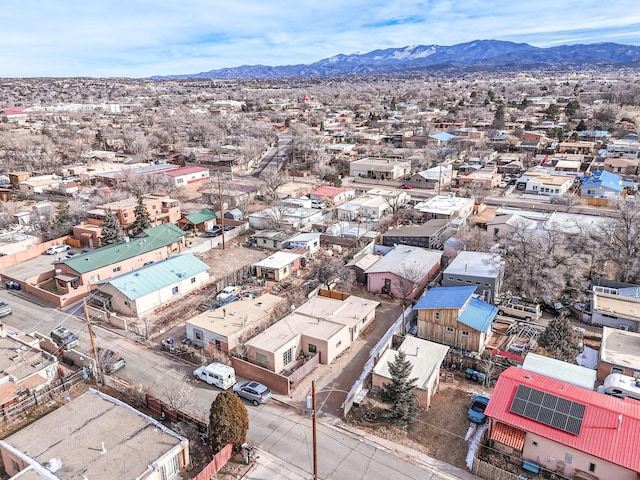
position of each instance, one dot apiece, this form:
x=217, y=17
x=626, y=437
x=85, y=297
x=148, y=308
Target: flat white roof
x=620, y=347
x=278, y=260
x=475, y=264
x=425, y=356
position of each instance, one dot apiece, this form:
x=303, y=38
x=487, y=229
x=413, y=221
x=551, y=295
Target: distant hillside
x=477, y=55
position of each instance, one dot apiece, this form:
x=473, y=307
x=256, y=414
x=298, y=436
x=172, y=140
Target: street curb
x=339, y=425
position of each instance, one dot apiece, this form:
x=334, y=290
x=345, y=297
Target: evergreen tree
x=403, y=407
x=560, y=340
x=498, y=119
x=228, y=422
x=143, y=219
x=111, y=229
x=62, y=216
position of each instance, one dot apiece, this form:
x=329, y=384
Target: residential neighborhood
x=480, y=237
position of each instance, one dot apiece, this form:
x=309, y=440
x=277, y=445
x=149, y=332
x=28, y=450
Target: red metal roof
x=178, y=172
x=610, y=426
x=329, y=191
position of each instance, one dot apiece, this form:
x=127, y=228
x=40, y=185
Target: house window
x=338, y=344
x=193, y=279
x=117, y=269
x=94, y=279
x=465, y=333
x=179, y=180
x=287, y=357
x=174, y=291
x=126, y=302
x=125, y=214
x=261, y=360
x=568, y=458
x=449, y=329
x=617, y=370
x=198, y=335
x=535, y=444
x=312, y=348
x=592, y=467
x=436, y=315
x=170, y=468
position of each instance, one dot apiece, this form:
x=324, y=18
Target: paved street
x=281, y=433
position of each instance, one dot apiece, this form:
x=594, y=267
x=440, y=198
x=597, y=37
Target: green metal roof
x=201, y=216
x=155, y=238
x=151, y=278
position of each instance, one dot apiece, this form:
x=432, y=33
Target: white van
x=217, y=374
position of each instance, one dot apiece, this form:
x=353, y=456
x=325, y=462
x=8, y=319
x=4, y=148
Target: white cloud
x=141, y=38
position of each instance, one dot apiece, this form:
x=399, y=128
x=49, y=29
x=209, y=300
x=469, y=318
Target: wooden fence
x=220, y=459
x=164, y=410
x=489, y=472
x=14, y=412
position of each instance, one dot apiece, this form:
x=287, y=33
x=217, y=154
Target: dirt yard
x=439, y=432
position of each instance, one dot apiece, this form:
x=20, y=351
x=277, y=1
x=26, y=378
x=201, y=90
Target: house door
x=387, y=287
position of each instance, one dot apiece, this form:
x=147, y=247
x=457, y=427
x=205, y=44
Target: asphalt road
x=281, y=431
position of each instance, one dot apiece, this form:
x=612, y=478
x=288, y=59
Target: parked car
x=57, y=249
x=253, y=391
x=227, y=292
x=5, y=309
x=318, y=204
x=406, y=187
x=64, y=338
x=110, y=361
x=72, y=253
x=475, y=414
x=557, y=308
x=214, y=231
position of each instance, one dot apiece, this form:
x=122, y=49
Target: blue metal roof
x=603, y=179
x=442, y=136
x=478, y=315
x=146, y=280
x=445, y=297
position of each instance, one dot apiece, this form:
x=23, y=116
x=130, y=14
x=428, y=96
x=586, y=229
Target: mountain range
x=479, y=55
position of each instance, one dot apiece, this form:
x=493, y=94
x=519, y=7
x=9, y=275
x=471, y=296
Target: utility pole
x=315, y=431
x=93, y=341
x=220, y=204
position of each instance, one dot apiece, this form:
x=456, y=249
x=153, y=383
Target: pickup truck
x=227, y=292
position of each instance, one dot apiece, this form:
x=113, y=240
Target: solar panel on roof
x=548, y=409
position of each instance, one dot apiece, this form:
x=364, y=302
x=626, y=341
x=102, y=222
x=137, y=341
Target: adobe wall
x=276, y=382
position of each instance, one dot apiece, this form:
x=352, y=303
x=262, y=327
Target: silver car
x=5, y=309
x=253, y=391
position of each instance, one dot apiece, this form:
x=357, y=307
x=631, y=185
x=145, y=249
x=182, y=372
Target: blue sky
x=141, y=38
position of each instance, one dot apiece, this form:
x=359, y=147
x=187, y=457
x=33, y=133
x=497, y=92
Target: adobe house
x=92, y=436
x=74, y=276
